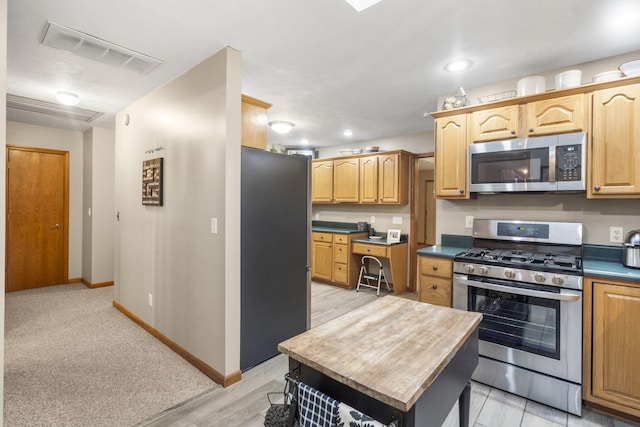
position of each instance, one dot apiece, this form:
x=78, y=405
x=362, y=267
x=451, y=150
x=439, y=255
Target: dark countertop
x=451, y=245
x=336, y=230
x=382, y=241
x=605, y=262
x=335, y=227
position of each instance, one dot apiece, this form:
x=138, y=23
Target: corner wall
x=3, y=160
x=169, y=252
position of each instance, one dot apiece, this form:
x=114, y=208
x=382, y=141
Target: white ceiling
x=321, y=64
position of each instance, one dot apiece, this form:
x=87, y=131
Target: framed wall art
x=393, y=236
x=152, y=182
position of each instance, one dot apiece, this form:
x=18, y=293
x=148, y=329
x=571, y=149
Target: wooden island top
x=391, y=349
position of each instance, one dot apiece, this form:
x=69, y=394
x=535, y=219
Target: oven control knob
x=558, y=280
x=539, y=277
x=468, y=268
x=483, y=270
x=509, y=274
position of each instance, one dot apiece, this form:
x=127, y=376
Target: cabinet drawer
x=322, y=237
x=434, y=290
x=340, y=273
x=364, y=249
x=432, y=266
x=341, y=238
x=340, y=253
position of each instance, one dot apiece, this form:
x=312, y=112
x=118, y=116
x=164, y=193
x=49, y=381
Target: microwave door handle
x=552, y=163
x=519, y=291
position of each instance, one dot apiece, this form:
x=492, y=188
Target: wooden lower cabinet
x=331, y=259
x=611, y=378
x=435, y=280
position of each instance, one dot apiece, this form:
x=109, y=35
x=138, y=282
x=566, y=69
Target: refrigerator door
x=275, y=228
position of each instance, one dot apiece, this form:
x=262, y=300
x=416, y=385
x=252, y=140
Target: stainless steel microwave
x=543, y=163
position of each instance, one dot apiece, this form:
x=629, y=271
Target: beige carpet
x=71, y=359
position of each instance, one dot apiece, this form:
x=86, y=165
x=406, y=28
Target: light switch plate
x=214, y=225
x=373, y=219
x=150, y=300
x=468, y=221
x=396, y=220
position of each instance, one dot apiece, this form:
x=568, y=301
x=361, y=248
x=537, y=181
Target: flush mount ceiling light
x=361, y=5
x=281, y=126
x=347, y=133
x=67, y=98
x=458, y=65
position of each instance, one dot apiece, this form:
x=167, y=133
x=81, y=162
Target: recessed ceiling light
x=347, y=133
x=304, y=141
x=361, y=5
x=458, y=65
x=281, y=126
x=67, y=98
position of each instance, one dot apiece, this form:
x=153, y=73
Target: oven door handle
x=520, y=291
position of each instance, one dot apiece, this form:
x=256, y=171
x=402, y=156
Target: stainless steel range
x=525, y=277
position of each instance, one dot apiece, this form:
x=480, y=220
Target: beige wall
x=25, y=135
x=98, y=177
x=3, y=113
x=169, y=251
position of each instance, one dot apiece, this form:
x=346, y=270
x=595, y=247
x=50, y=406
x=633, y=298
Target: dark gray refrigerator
x=275, y=232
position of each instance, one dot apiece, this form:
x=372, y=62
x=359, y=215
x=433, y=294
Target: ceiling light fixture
x=347, y=133
x=361, y=5
x=458, y=65
x=67, y=98
x=281, y=126
x=304, y=141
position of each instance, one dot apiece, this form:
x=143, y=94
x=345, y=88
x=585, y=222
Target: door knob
x=56, y=227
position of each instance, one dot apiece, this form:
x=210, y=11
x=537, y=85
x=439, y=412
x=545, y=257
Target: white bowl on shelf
x=607, y=76
x=530, y=85
x=631, y=68
x=568, y=78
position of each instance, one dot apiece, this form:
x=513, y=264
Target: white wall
x=3, y=160
x=168, y=251
x=25, y=135
x=98, y=195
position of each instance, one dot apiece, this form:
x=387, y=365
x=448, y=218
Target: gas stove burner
x=516, y=256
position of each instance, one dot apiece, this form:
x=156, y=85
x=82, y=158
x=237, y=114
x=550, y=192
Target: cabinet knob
x=435, y=267
x=461, y=191
x=530, y=129
x=434, y=286
x=597, y=188
x=513, y=131
x=368, y=250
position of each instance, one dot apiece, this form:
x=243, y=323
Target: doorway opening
x=423, y=210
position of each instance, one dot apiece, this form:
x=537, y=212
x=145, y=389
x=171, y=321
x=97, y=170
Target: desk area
x=410, y=371
x=396, y=253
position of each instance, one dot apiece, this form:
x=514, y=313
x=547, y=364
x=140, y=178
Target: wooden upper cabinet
x=322, y=181
x=495, y=123
x=369, y=179
x=615, y=158
x=346, y=180
x=254, y=122
x=451, y=157
x=393, y=176
x=556, y=115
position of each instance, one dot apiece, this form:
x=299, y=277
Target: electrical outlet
x=214, y=225
x=615, y=234
x=373, y=219
x=150, y=300
x=396, y=220
x=468, y=222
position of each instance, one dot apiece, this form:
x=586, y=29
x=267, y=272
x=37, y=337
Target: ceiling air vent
x=21, y=103
x=91, y=47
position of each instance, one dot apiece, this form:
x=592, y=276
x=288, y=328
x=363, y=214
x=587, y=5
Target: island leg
x=463, y=405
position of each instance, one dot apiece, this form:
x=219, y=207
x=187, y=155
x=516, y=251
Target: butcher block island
x=397, y=360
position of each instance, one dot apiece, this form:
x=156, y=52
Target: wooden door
x=369, y=179
x=496, y=123
x=616, y=344
x=451, y=157
x=429, y=214
x=322, y=181
x=37, y=218
x=346, y=180
x=556, y=115
x=616, y=142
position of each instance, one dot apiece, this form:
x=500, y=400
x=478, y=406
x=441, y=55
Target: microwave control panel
x=568, y=163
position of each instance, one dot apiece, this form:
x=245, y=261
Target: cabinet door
x=392, y=184
x=322, y=181
x=451, y=157
x=557, y=115
x=616, y=344
x=346, y=180
x=496, y=123
x=254, y=123
x=369, y=179
x=322, y=260
x=615, y=158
